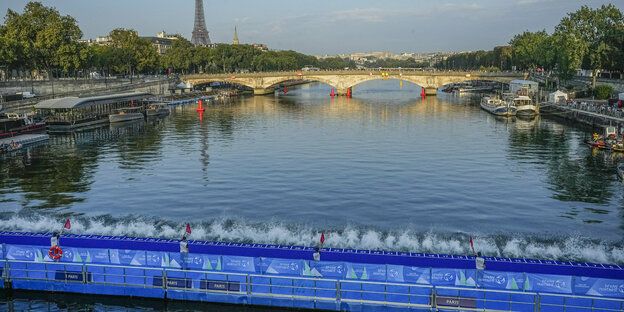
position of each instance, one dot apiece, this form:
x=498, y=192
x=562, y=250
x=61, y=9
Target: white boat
x=497, y=106
x=126, y=114
x=524, y=105
x=157, y=109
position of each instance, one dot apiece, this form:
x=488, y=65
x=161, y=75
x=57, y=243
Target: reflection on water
x=384, y=162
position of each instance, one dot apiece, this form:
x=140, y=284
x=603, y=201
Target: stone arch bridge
x=265, y=82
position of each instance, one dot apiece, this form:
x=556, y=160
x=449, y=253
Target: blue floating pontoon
x=286, y=276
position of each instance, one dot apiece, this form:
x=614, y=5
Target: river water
x=382, y=170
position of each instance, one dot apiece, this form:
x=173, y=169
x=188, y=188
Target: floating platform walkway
x=583, y=116
x=25, y=139
x=286, y=276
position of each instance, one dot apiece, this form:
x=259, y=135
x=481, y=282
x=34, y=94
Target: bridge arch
x=264, y=83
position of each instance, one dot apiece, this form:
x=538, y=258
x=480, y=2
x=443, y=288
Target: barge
x=286, y=276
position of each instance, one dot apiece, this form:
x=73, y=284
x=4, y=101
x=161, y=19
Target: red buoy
x=348, y=92
x=332, y=94
x=423, y=93
x=200, y=109
x=285, y=90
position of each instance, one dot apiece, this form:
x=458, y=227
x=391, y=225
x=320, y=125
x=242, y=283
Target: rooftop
x=76, y=102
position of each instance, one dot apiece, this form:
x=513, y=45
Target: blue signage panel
x=97, y=255
x=400, y=273
x=23, y=253
x=368, y=272
x=501, y=280
x=599, y=287
x=549, y=283
x=453, y=277
x=239, y=264
x=219, y=285
x=127, y=257
x=326, y=269
x=275, y=266
x=204, y=262
x=68, y=276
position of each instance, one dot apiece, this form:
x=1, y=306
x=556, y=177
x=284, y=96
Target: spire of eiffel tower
x=200, y=33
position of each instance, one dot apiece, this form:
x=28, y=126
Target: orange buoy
x=55, y=252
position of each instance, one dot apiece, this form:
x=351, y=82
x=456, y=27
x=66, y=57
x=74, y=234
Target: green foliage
x=526, y=49
x=333, y=63
x=500, y=56
x=41, y=38
x=180, y=56
x=603, y=92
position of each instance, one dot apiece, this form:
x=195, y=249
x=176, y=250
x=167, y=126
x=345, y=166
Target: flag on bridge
x=188, y=228
x=322, y=237
x=67, y=224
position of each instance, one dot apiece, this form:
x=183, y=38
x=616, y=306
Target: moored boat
x=126, y=114
x=524, y=105
x=11, y=124
x=497, y=106
x=157, y=109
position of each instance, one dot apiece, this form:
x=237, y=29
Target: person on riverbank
x=479, y=262
x=54, y=240
x=184, y=250
x=316, y=256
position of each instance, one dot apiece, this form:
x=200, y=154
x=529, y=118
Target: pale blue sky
x=329, y=27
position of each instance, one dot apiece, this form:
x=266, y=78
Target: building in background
x=261, y=47
x=165, y=35
x=161, y=44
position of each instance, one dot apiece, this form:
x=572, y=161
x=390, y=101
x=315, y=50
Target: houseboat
x=71, y=113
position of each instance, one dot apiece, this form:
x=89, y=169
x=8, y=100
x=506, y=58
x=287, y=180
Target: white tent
x=557, y=96
x=621, y=96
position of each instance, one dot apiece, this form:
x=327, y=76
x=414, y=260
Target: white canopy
x=621, y=96
x=557, y=96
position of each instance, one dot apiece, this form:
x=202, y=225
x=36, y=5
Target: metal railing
x=475, y=299
x=572, y=302
x=304, y=288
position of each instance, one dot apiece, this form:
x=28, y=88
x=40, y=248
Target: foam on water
x=568, y=248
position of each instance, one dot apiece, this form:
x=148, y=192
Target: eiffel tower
x=200, y=33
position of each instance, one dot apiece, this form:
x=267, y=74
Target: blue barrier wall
x=348, y=265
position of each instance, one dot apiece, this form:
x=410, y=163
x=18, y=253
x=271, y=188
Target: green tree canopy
x=45, y=39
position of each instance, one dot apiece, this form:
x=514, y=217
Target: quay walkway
x=285, y=276
x=586, y=116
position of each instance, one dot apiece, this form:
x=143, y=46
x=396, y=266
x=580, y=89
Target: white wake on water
x=568, y=248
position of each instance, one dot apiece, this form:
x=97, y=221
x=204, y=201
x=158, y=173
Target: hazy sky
x=328, y=27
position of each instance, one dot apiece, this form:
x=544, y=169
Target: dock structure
x=25, y=139
x=286, y=276
x=70, y=113
x=584, y=116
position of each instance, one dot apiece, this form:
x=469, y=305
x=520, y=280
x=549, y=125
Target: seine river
x=382, y=170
